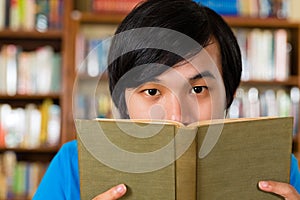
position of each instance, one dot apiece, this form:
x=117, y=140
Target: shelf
x=42, y=150
x=29, y=97
x=21, y=34
x=116, y=18
x=292, y=81
x=260, y=22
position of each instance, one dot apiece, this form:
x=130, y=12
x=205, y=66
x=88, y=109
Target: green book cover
x=220, y=159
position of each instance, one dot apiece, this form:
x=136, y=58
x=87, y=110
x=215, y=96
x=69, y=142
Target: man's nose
x=173, y=108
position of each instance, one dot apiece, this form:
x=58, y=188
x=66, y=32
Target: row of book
x=89, y=107
x=19, y=179
x=30, y=15
x=265, y=54
x=249, y=8
x=254, y=102
x=31, y=127
x=107, y=6
x=253, y=8
x=29, y=72
x=91, y=56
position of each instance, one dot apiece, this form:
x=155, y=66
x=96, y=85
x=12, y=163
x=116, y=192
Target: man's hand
x=283, y=189
x=113, y=193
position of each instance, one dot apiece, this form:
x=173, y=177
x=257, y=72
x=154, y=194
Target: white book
x=241, y=35
x=254, y=104
x=271, y=102
x=29, y=15
x=53, y=128
x=33, y=72
x=254, y=53
x=2, y=72
x=93, y=68
x=280, y=54
x=23, y=73
x=267, y=55
x=295, y=99
x=11, y=69
x=34, y=119
x=44, y=56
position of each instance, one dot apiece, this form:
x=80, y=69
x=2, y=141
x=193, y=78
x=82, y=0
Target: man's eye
x=152, y=92
x=198, y=89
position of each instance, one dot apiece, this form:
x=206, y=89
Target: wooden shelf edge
x=116, y=18
x=260, y=22
x=22, y=34
x=292, y=81
x=31, y=96
x=33, y=150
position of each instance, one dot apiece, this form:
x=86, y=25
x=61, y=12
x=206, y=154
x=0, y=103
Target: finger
x=283, y=189
x=113, y=193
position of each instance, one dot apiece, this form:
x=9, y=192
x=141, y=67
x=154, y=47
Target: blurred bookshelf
x=34, y=119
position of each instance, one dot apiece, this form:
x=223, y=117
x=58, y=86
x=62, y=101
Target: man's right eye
x=152, y=92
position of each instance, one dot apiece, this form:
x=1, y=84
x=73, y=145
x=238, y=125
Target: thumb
x=113, y=193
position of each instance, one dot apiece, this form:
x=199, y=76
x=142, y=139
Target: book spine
x=3, y=69
x=42, y=15
x=14, y=15
x=2, y=14
x=44, y=56
x=11, y=69
x=7, y=13
x=56, y=73
x=186, y=170
x=29, y=15
x=281, y=55
x=53, y=125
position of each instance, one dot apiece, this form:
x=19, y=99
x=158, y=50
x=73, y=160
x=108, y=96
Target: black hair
x=185, y=16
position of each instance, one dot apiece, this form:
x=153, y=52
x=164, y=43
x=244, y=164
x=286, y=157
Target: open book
x=220, y=159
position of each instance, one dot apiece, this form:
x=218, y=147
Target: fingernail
x=121, y=188
x=263, y=184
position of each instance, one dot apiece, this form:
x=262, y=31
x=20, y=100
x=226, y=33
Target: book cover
x=2, y=14
x=207, y=160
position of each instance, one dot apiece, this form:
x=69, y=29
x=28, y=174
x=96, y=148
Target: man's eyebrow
x=202, y=75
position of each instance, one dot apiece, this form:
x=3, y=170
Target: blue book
x=222, y=7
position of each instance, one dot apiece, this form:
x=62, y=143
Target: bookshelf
x=81, y=19
x=29, y=41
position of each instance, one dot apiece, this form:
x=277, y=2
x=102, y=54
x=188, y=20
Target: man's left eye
x=152, y=92
x=198, y=89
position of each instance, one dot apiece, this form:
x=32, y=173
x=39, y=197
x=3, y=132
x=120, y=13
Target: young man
x=158, y=71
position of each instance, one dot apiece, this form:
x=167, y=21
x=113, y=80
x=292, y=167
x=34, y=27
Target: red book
x=2, y=136
x=114, y=6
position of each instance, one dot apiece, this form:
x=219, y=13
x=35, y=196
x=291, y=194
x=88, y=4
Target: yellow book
x=220, y=159
x=44, y=120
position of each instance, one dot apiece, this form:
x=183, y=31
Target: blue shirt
x=61, y=181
